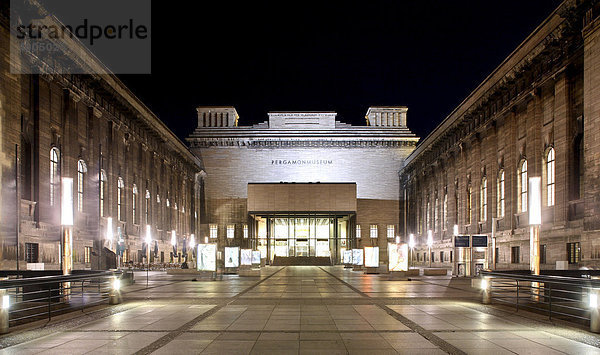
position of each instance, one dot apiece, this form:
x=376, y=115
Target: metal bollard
x=594, y=310
x=486, y=286
x=4, y=312
x=114, y=295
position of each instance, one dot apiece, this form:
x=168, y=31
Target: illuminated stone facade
x=54, y=126
x=302, y=147
x=535, y=115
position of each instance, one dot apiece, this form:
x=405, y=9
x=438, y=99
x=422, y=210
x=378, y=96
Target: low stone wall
x=435, y=272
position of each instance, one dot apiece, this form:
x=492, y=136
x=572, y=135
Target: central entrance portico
x=302, y=219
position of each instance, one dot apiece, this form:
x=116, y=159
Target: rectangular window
x=374, y=231
x=573, y=253
x=213, y=231
x=391, y=232
x=87, y=255
x=451, y=256
x=515, y=255
x=543, y=254
x=31, y=252
x=245, y=231
x=497, y=254
x=358, y=231
x=230, y=231
x=441, y=256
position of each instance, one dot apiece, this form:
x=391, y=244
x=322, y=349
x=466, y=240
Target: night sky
x=327, y=56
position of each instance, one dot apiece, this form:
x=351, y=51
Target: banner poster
x=357, y=257
x=207, y=257
x=246, y=257
x=232, y=256
x=398, y=257
x=372, y=256
x=347, y=257
x=256, y=257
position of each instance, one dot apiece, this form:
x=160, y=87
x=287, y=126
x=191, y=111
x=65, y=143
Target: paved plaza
x=301, y=310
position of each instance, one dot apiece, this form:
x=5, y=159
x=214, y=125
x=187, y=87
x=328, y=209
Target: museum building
x=132, y=177
x=535, y=115
x=301, y=184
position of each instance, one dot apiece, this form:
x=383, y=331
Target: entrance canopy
x=301, y=197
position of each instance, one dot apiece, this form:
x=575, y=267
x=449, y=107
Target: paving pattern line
x=68, y=324
x=164, y=340
x=427, y=334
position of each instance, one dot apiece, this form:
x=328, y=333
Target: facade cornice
x=325, y=142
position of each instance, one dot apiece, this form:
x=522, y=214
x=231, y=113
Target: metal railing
x=36, y=298
x=556, y=296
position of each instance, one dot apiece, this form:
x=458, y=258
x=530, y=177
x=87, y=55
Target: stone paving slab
x=306, y=310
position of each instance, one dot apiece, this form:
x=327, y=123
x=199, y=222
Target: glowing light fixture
x=411, y=241
x=116, y=284
x=148, y=235
x=535, y=201
x=109, y=229
x=455, y=230
x=66, y=215
x=192, y=241
x=173, y=238
x=593, y=300
x=429, y=238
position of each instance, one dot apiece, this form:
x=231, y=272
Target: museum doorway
x=302, y=235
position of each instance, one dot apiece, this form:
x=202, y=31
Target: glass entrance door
x=303, y=235
x=281, y=247
x=302, y=247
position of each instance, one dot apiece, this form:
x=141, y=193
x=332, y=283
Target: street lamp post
x=535, y=222
x=148, y=242
x=455, y=256
x=429, y=244
x=174, y=243
x=66, y=221
x=192, y=246
x=109, y=232
x=411, y=245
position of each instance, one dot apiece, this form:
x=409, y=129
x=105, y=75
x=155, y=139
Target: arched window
x=102, y=191
x=500, y=196
x=120, y=199
x=522, y=185
x=81, y=170
x=483, y=200
x=134, y=196
x=550, y=176
x=54, y=175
